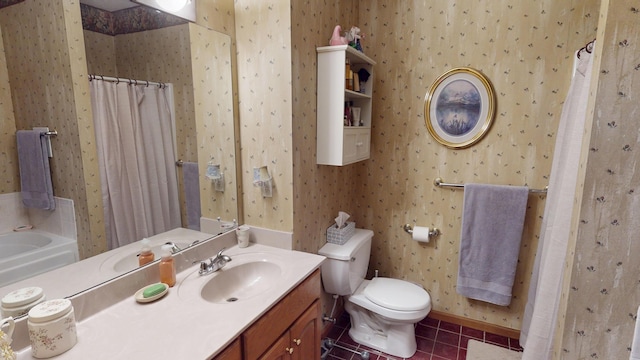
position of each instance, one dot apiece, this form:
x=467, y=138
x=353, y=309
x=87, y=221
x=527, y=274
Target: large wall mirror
x=40, y=80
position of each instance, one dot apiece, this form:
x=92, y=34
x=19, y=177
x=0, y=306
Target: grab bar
x=439, y=183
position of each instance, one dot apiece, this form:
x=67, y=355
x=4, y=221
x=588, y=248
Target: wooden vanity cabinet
x=231, y=352
x=289, y=330
x=299, y=342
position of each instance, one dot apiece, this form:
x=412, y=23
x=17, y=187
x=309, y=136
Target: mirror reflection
x=44, y=82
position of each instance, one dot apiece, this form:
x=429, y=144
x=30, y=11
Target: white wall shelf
x=338, y=144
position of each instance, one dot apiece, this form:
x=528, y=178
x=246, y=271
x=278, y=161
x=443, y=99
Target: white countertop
x=181, y=325
x=97, y=269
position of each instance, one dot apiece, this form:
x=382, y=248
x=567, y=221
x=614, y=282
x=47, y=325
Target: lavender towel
x=191, y=183
x=492, y=223
x=35, y=175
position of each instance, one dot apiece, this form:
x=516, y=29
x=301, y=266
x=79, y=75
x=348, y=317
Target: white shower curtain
x=541, y=312
x=134, y=135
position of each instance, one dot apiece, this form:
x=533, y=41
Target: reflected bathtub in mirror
x=24, y=254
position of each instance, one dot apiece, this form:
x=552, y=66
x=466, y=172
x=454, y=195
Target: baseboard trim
x=475, y=324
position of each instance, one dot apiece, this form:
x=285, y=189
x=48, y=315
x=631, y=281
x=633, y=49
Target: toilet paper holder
x=432, y=232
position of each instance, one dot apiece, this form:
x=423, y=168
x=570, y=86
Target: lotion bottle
x=146, y=255
x=167, y=266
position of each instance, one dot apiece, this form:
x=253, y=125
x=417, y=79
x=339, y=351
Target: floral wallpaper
x=264, y=52
x=413, y=43
x=214, y=118
x=9, y=179
x=47, y=32
x=601, y=293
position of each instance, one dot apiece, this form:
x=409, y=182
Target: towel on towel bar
x=191, y=181
x=492, y=223
x=35, y=176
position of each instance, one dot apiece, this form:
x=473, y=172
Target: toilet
x=383, y=311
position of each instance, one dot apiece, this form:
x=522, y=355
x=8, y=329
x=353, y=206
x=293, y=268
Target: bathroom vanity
x=261, y=305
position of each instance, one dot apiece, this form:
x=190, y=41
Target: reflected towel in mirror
x=35, y=175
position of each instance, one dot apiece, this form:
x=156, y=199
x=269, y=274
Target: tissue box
x=340, y=236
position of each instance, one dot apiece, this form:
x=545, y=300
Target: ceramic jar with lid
x=52, y=328
x=19, y=302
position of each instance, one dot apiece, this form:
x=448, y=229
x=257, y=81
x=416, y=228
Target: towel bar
x=439, y=183
x=49, y=133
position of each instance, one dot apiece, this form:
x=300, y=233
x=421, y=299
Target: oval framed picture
x=460, y=107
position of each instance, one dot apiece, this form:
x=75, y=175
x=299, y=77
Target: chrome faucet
x=174, y=247
x=214, y=264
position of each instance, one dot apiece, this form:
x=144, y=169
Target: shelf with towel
x=440, y=183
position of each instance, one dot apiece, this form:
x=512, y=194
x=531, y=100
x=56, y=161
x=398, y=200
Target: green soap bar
x=153, y=290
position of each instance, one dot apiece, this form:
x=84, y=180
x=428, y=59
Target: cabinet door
x=280, y=350
x=305, y=334
x=356, y=144
x=232, y=352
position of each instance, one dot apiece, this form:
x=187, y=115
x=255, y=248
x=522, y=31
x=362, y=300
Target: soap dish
x=141, y=299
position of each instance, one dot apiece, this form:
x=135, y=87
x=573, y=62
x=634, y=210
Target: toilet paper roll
x=421, y=234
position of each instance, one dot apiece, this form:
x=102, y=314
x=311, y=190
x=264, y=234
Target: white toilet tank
x=346, y=265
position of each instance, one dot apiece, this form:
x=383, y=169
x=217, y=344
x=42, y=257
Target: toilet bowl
x=383, y=311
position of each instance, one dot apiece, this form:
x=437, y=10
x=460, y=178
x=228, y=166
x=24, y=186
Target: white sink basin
x=247, y=275
x=240, y=282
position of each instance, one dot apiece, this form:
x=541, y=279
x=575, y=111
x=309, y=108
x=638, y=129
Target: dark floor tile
x=514, y=344
x=464, y=341
x=425, y=345
x=474, y=333
x=419, y=355
x=449, y=327
x=341, y=353
x=335, y=332
x=462, y=354
x=427, y=332
x=343, y=320
x=429, y=322
x=445, y=351
x=449, y=338
x=347, y=340
x=497, y=339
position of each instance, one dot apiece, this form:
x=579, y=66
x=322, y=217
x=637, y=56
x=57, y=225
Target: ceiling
x=110, y=5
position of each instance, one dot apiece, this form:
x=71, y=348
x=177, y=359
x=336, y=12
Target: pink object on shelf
x=336, y=38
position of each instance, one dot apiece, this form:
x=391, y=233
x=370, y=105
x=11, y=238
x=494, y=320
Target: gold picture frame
x=459, y=107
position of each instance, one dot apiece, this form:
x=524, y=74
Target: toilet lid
x=396, y=294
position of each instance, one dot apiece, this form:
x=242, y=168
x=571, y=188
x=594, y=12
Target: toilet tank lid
x=348, y=249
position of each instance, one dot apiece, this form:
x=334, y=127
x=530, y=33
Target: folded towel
x=191, y=183
x=492, y=223
x=635, y=344
x=35, y=175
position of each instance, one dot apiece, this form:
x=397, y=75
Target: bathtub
x=24, y=254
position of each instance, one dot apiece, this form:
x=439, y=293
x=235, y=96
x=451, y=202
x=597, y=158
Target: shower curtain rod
x=129, y=81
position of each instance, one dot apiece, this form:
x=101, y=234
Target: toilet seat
x=359, y=298
x=396, y=294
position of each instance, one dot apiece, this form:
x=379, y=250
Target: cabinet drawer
x=356, y=144
x=259, y=337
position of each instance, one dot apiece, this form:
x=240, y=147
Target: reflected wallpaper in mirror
x=44, y=82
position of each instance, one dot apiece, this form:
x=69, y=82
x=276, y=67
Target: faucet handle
x=220, y=252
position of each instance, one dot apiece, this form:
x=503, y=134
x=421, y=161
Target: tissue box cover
x=340, y=236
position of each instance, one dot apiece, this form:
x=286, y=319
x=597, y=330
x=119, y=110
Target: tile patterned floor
x=437, y=340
